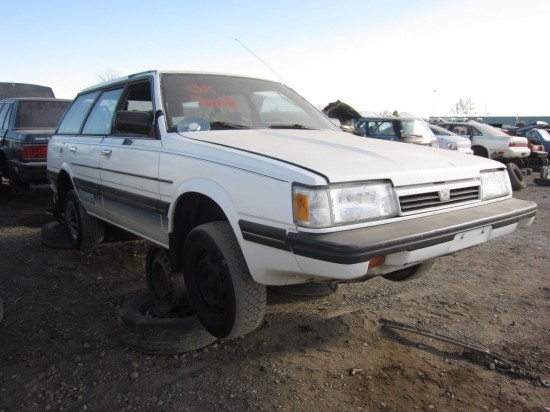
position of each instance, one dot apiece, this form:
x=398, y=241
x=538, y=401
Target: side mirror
x=134, y=122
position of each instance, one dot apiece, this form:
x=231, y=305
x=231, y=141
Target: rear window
x=39, y=114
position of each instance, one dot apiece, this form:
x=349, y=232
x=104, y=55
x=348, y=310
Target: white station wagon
x=244, y=184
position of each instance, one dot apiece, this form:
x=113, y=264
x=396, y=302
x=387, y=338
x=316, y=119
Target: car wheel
x=167, y=289
x=222, y=293
x=519, y=162
x=306, y=289
x=55, y=235
x=516, y=176
x=85, y=231
x=145, y=328
x=480, y=151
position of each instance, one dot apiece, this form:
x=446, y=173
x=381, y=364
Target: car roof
x=34, y=99
x=125, y=79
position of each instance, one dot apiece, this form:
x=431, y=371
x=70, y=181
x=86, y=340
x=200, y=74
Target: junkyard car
x=397, y=129
x=26, y=125
x=488, y=141
x=451, y=141
x=245, y=184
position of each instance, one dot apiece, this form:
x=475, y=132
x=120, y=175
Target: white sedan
x=451, y=141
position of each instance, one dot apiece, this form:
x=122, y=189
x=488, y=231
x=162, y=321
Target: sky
x=417, y=56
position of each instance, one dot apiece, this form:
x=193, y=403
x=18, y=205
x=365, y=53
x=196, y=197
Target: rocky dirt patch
x=60, y=347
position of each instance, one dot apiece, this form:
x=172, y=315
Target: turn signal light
x=376, y=261
x=301, y=207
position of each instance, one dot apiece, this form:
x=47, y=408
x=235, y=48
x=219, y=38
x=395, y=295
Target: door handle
x=106, y=152
x=72, y=148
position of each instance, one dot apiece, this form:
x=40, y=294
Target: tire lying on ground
x=306, y=289
x=146, y=329
x=544, y=172
x=516, y=176
x=54, y=234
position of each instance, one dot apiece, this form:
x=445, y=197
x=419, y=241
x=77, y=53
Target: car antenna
x=256, y=56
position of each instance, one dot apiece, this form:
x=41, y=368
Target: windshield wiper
x=227, y=125
x=290, y=126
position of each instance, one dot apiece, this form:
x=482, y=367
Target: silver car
x=488, y=141
x=451, y=141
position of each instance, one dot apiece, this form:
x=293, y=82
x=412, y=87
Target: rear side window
x=101, y=116
x=461, y=130
x=3, y=115
x=73, y=119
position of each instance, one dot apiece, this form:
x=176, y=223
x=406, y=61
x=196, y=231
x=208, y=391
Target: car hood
x=342, y=157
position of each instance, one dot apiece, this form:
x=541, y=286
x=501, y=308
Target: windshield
x=199, y=102
x=39, y=114
x=544, y=135
x=415, y=127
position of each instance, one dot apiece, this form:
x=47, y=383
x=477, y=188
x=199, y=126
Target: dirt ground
x=60, y=347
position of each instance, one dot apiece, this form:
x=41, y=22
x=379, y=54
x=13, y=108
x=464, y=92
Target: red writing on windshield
x=216, y=102
x=195, y=88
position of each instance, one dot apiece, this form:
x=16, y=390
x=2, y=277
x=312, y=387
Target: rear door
x=78, y=152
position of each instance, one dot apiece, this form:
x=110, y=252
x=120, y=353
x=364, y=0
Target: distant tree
x=463, y=107
x=108, y=74
x=387, y=113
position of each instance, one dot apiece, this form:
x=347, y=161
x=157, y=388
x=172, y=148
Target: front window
x=39, y=114
x=377, y=128
x=195, y=102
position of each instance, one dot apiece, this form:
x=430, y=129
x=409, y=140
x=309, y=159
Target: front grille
x=429, y=200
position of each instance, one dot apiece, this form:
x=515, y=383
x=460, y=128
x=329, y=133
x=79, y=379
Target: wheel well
x=4, y=171
x=480, y=151
x=64, y=186
x=192, y=210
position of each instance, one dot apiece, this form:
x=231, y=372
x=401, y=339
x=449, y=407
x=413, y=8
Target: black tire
x=167, y=289
x=529, y=171
x=544, y=172
x=220, y=288
x=516, y=176
x=519, y=162
x=480, y=151
x=55, y=235
x=146, y=329
x=306, y=289
x=542, y=182
x=85, y=231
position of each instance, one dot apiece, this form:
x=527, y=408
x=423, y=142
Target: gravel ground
x=60, y=347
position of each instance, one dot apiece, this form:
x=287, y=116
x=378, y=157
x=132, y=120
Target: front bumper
x=402, y=243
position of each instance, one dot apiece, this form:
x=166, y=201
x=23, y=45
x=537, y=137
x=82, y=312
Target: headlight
x=339, y=205
x=495, y=184
x=452, y=146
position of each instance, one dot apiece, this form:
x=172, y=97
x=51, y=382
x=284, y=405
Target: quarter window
x=72, y=121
